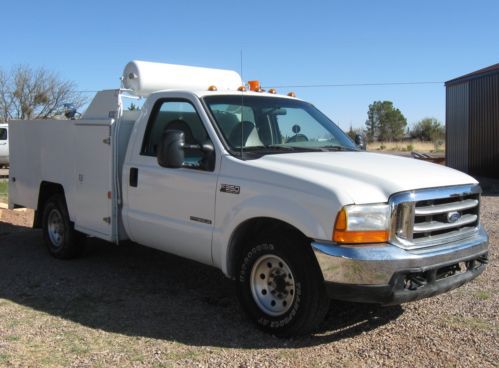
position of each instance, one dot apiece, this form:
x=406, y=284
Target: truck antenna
x=242, y=104
x=241, y=64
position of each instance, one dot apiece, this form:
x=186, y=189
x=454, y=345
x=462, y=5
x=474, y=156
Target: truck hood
x=365, y=177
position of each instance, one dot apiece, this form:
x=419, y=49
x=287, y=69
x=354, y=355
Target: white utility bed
x=82, y=156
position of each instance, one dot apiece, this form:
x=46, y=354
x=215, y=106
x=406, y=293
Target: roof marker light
x=292, y=94
x=273, y=91
x=212, y=88
x=242, y=89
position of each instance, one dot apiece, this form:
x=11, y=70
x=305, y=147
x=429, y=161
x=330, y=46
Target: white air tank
x=145, y=77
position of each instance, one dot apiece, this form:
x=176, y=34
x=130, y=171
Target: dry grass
x=130, y=306
x=4, y=190
x=417, y=146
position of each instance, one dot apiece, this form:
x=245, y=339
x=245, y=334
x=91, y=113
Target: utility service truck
x=4, y=145
x=263, y=186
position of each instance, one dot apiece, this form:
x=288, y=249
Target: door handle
x=134, y=177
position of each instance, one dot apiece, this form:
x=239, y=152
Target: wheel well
x=246, y=230
x=47, y=190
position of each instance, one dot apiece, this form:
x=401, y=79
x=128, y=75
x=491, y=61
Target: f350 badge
x=229, y=188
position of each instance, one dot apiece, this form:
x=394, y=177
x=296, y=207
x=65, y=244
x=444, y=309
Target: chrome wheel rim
x=55, y=228
x=272, y=285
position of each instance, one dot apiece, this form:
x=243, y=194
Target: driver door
x=172, y=209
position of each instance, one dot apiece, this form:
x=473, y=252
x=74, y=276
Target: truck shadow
x=136, y=291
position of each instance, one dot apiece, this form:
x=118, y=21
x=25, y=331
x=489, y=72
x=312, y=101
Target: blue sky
x=283, y=43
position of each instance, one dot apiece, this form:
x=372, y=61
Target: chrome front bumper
x=378, y=273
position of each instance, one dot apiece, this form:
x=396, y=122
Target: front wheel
x=280, y=285
x=60, y=237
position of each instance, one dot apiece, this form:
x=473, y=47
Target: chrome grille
x=431, y=217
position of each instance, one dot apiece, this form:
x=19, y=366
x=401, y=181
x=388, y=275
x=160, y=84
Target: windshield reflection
x=274, y=125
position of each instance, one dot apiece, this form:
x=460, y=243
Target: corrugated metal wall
x=457, y=117
x=484, y=126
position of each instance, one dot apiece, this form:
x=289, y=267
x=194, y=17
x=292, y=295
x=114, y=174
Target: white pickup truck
x=262, y=186
x=4, y=145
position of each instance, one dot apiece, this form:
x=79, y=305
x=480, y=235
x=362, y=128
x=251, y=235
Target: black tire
x=300, y=297
x=59, y=235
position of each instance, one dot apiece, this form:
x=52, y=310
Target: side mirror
x=171, y=149
x=208, y=160
x=359, y=141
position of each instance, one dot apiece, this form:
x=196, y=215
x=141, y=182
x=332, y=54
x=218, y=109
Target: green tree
x=428, y=129
x=133, y=107
x=384, y=122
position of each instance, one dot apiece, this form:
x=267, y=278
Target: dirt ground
x=129, y=306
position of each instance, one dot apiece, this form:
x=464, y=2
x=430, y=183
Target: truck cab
x=262, y=186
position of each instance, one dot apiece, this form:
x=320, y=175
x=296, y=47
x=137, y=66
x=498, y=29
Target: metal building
x=472, y=122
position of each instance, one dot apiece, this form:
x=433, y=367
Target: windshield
x=254, y=124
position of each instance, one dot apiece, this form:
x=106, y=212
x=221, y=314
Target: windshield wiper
x=277, y=148
x=338, y=148
x=270, y=147
x=294, y=148
x=280, y=147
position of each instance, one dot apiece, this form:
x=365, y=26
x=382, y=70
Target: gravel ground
x=130, y=306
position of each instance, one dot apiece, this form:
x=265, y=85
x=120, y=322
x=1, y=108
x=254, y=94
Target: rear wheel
x=60, y=237
x=280, y=285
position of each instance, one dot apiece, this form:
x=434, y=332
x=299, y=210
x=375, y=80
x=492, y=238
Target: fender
x=315, y=225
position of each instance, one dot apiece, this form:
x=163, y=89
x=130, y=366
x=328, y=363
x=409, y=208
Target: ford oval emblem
x=453, y=216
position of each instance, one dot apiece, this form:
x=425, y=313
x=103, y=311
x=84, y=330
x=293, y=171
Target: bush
x=428, y=129
x=410, y=147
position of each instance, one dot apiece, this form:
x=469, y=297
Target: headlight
x=362, y=224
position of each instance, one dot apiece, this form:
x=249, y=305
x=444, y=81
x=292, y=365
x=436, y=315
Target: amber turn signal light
x=343, y=234
x=358, y=237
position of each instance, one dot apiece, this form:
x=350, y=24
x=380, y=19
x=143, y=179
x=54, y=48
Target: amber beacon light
x=254, y=85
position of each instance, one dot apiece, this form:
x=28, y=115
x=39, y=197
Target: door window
x=176, y=115
x=3, y=134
